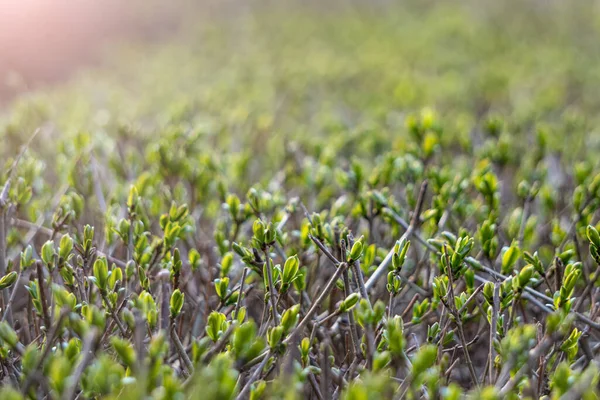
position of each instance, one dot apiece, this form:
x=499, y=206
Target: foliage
x=268, y=209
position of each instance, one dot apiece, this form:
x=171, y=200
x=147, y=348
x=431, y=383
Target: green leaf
x=510, y=257
x=176, y=303
x=8, y=280
x=100, y=270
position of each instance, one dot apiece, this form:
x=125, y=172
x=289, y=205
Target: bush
x=305, y=232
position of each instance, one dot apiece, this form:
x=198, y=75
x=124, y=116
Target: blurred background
x=295, y=65
x=42, y=41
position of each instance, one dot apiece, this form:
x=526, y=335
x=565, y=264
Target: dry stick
x=325, y=372
x=40, y=276
x=246, y=389
x=494, y=323
x=181, y=350
x=315, y=386
x=271, y=288
x=454, y=311
x=88, y=354
x=240, y=296
x=113, y=314
x=382, y=268
x=324, y=293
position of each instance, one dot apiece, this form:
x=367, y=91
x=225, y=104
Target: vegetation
x=368, y=201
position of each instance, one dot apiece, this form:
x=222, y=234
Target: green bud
x=221, y=287
x=8, y=335
x=424, y=359
x=176, y=303
x=349, y=303
x=194, y=258
x=132, y=198
x=290, y=269
x=130, y=268
x=124, y=350
x=65, y=247
x=226, y=263
x=488, y=292
x=115, y=276
x=8, y=280
x=356, y=251
x=510, y=257
x=258, y=228
x=100, y=270
x=525, y=276
x=289, y=319
x=593, y=236
x=27, y=258
x=48, y=253
x=274, y=336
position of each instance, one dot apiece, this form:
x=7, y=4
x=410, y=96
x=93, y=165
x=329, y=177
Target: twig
x=271, y=287
x=320, y=299
x=241, y=293
x=181, y=350
x=113, y=314
x=88, y=345
x=382, y=268
x=246, y=389
x=493, y=331
x=325, y=372
x=40, y=276
x=458, y=320
x=220, y=344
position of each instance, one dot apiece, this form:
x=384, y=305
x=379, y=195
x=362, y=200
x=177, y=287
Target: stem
x=493, y=331
x=238, y=304
x=246, y=389
x=113, y=314
x=325, y=372
x=271, y=288
x=180, y=349
x=353, y=328
x=88, y=354
x=320, y=299
x=40, y=274
x=454, y=311
x=220, y=344
x=382, y=268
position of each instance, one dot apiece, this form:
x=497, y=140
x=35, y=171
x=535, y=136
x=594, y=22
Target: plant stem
x=458, y=320
x=382, y=268
x=238, y=304
x=271, y=288
x=246, y=389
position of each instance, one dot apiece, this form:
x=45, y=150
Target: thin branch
x=382, y=268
